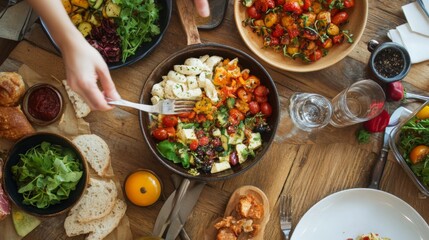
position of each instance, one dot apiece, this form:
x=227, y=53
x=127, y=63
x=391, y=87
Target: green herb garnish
x=137, y=23
x=46, y=174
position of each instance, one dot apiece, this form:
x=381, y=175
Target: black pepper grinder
x=389, y=61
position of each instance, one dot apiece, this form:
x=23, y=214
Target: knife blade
x=188, y=204
x=377, y=172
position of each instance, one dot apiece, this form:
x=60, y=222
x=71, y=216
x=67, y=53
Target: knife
x=424, y=4
x=377, y=172
x=188, y=204
x=170, y=207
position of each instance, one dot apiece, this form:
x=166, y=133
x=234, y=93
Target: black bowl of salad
x=45, y=174
x=409, y=142
x=122, y=31
x=235, y=116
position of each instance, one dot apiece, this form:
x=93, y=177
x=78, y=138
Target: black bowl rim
x=47, y=212
x=132, y=59
x=405, y=55
x=276, y=108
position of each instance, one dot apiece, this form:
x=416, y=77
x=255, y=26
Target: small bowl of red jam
x=389, y=61
x=43, y=104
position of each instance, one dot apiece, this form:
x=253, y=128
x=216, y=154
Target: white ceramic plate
x=352, y=212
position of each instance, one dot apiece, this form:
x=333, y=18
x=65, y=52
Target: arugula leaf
x=137, y=23
x=46, y=174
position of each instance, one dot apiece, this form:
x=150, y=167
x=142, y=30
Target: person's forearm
x=57, y=21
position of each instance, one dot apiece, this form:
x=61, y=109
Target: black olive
x=205, y=168
x=262, y=128
x=219, y=149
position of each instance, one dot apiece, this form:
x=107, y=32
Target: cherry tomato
x=216, y=142
x=316, y=55
x=423, y=113
x=253, y=13
x=244, y=95
x=203, y=141
x=266, y=109
x=261, y=99
x=264, y=5
x=200, y=133
x=280, y=2
x=261, y=91
x=349, y=3
x=340, y=18
x=160, y=134
x=292, y=7
x=231, y=129
x=250, y=83
x=307, y=5
x=254, y=107
x=293, y=31
x=338, y=38
x=274, y=41
x=193, y=145
x=171, y=131
x=169, y=121
x=235, y=116
x=310, y=34
x=418, y=153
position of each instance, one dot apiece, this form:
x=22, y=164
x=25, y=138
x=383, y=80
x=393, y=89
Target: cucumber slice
x=23, y=222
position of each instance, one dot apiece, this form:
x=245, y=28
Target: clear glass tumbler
x=310, y=111
x=361, y=101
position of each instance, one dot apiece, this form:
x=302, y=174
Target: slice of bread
x=96, y=152
x=81, y=108
x=98, y=201
x=99, y=228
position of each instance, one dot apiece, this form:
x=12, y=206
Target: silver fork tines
x=168, y=106
x=285, y=215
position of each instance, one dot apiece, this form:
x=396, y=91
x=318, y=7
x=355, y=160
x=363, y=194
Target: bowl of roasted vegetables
x=45, y=174
x=122, y=31
x=409, y=142
x=301, y=36
x=234, y=119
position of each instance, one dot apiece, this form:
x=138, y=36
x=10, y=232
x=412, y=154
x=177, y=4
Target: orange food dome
x=142, y=188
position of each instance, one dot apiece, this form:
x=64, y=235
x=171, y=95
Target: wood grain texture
x=307, y=172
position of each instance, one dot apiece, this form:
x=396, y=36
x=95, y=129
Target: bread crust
x=13, y=123
x=12, y=88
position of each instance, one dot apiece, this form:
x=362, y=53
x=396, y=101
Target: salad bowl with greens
x=45, y=174
x=122, y=31
x=409, y=142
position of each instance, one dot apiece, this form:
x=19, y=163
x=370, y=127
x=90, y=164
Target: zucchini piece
x=85, y=28
x=94, y=20
x=255, y=141
x=97, y=4
x=112, y=10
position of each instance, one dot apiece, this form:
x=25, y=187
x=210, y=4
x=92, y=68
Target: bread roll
x=12, y=88
x=14, y=124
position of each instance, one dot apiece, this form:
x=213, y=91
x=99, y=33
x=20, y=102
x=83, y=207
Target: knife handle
x=377, y=172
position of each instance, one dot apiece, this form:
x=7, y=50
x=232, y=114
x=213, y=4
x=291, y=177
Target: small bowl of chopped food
x=122, y=31
x=42, y=104
x=45, y=174
x=301, y=36
x=409, y=142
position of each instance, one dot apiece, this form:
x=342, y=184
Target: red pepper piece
x=377, y=124
x=395, y=91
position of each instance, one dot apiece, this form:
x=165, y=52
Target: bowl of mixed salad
x=233, y=122
x=409, y=142
x=301, y=36
x=122, y=31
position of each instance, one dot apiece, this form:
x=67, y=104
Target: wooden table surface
x=307, y=172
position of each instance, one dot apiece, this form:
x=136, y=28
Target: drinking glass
x=309, y=111
x=361, y=101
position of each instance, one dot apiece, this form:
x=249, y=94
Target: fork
x=285, y=215
x=166, y=107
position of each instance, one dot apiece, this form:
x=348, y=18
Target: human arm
x=84, y=65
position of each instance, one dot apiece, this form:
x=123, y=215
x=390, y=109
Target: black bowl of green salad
x=122, y=31
x=45, y=174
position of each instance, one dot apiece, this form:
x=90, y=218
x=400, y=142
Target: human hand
x=84, y=66
x=202, y=7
